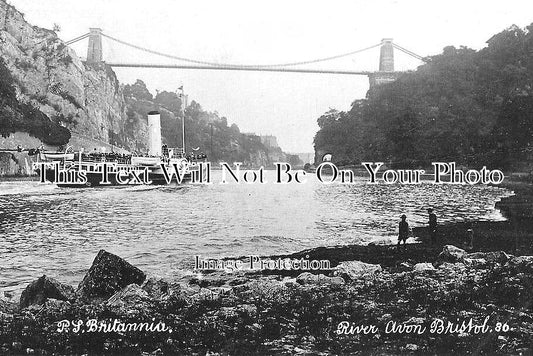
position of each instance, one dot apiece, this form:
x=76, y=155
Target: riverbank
x=33, y=178
x=515, y=235
x=295, y=312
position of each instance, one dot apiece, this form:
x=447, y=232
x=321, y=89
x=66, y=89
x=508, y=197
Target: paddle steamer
x=162, y=165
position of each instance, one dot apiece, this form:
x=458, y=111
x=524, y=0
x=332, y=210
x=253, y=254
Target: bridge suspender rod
x=74, y=40
x=238, y=65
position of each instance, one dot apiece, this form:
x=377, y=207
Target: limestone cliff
x=49, y=77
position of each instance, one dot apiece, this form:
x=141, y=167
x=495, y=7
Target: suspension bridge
x=386, y=72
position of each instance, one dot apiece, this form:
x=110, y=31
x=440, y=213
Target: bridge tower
x=386, y=56
x=386, y=73
x=94, y=51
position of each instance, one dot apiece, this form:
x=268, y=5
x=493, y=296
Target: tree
x=138, y=90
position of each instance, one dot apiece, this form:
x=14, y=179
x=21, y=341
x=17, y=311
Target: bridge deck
x=237, y=68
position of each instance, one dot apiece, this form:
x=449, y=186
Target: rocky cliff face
x=50, y=77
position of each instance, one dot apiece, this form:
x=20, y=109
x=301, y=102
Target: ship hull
x=96, y=180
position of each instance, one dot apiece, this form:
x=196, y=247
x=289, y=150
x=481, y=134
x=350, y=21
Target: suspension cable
x=74, y=40
x=237, y=65
x=230, y=65
x=406, y=51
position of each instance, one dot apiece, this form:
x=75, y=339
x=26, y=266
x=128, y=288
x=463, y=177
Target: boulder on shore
x=451, y=254
x=7, y=306
x=38, y=291
x=522, y=260
x=108, y=275
x=354, y=269
x=424, y=266
x=493, y=256
x=158, y=288
x=129, y=300
x=309, y=278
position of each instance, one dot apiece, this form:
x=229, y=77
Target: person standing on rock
x=432, y=226
x=469, y=241
x=403, y=231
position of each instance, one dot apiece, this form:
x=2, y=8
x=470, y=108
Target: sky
x=269, y=32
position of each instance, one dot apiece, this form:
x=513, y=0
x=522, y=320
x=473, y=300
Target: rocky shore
x=116, y=310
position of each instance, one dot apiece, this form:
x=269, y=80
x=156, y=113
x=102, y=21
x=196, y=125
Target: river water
x=58, y=231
